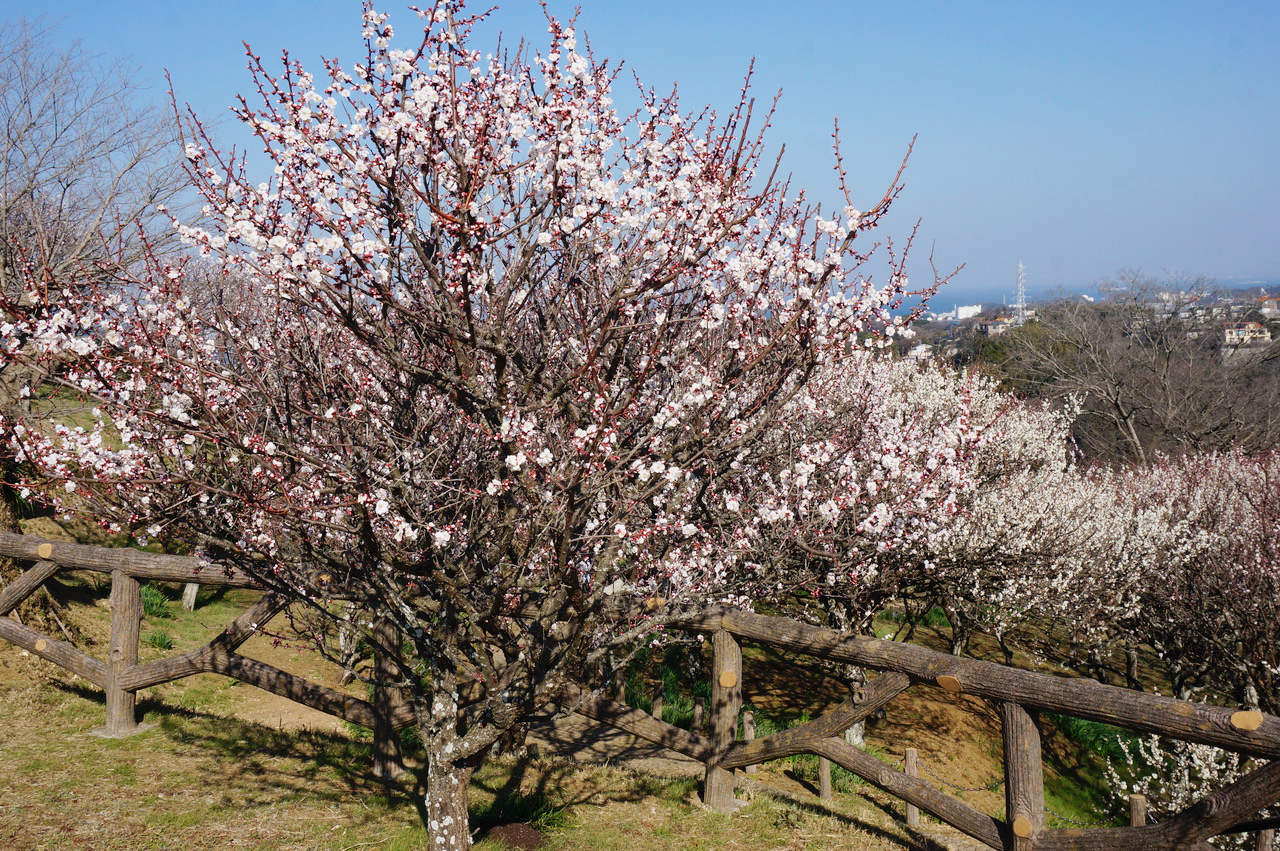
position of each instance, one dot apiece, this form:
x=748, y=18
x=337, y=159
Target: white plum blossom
x=461, y=262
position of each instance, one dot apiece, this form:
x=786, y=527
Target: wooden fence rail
x=1018, y=695
x=121, y=676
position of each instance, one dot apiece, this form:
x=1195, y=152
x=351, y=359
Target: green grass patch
x=1096, y=737
x=158, y=639
x=155, y=604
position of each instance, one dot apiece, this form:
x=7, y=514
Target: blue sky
x=1079, y=137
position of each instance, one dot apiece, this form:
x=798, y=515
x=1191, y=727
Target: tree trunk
x=448, y=773
x=856, y=735
x=447, y=822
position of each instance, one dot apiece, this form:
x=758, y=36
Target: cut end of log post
x=44, y=551
x=728, y=679
x=1022, y=827
x=1246, y=719
x=948, y=683
x=41, y=645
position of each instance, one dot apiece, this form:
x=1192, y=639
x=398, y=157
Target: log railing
x=121, y=675
x=1017, y=694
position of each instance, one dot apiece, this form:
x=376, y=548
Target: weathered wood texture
x=913, y=790
x=1214, y=814
x=139, y=565
x=121, y=676
x=1023, y=777
x=126, y=623
x=911, y=768
x=1255, y=825
x=297, y=689
x=1247, y=732
x=636, y=722
x=25, y=585
x=1132, y=710
x=1137, y=811
x=798, y=740
x=726, y=702
x=198, y=661
x=52, y=650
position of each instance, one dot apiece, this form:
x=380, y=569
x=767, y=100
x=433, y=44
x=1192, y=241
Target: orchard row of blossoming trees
x=521, y=379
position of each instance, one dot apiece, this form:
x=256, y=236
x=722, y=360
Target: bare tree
x=83, y=159
x=1150, y=370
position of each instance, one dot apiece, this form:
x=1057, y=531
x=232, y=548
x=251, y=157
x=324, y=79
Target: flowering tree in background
x=83, y=163
x=1174, y=775
x=1039, y=538
x=1210, y=604
x=878, y=475
x=504, y=369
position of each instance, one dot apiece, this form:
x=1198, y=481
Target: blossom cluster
x=490, y=360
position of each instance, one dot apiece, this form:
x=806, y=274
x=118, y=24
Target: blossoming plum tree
x=502, y=368
x=1210, y=605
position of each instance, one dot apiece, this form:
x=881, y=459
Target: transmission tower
x=1020, y=306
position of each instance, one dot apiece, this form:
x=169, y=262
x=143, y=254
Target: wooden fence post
x=1266, y=840
x=659, y=700
x=749, y=734
x=911, y=767
x=699, y=709
x=1137, y=811
x=620, y=685
x=726, y=701
x=824, y=778
x=1023, y=777
x=388, y=760
x=126, y=624
x=189, y=592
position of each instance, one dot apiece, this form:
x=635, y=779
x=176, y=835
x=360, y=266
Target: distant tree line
x=1146, y=369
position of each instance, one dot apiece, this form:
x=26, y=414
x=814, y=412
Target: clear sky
x=1079, y=137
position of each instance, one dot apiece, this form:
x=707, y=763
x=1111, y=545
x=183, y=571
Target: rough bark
x=1145, y=713
x=448, y=825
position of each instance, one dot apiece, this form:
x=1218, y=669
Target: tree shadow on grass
x=917, y=842
x=259, y=766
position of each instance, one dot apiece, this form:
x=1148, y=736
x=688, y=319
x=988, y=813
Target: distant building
x=959, y=313
x=1269, y=306
x=967, y=311
x=997, y=326
x=920, y=353
x=1244, y=333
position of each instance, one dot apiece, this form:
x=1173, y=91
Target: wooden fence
x=1018, y=694
x=121, y=676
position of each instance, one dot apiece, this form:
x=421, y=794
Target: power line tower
x=1020, y=305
